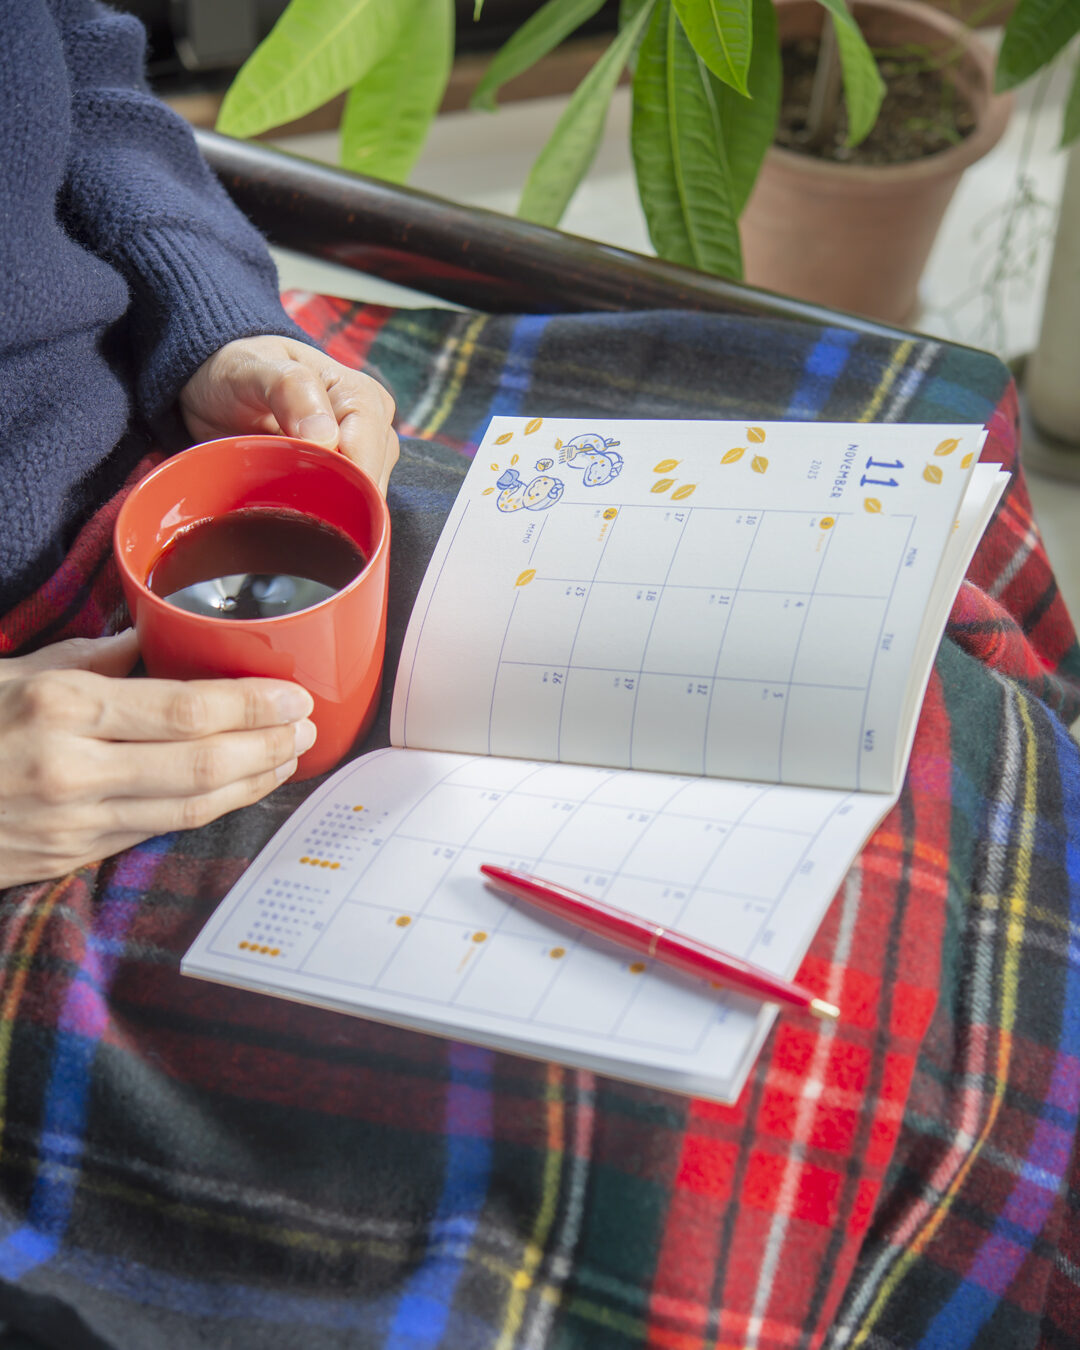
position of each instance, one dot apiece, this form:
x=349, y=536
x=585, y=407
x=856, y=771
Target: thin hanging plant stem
x=823, y=112
x=1025, y=223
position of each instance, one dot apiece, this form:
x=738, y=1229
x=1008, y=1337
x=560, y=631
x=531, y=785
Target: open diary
x=673, y=665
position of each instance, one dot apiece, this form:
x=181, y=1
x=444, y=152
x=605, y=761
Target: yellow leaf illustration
x=611, y=513
x=759, y=464
x=513, y=460
x=732, y=455
x=827, y=522
x=495, y=467
x=487, y=492
x=665, y=466
x=506, y=436
x=558, y=443
x=965, y=463
x=662, y=484
x=932, y=473
x=755, y=434
x=533, y=424
x=947, y=447
x=871, y=504
x=681, y=493
x=525, y=577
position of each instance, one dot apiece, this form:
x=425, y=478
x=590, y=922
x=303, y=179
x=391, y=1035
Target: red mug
x=333, y=648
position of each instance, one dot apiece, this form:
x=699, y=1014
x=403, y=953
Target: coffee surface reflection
x=255, y=563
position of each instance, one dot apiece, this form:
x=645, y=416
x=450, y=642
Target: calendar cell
x=615, y=627
x=865, y=554
x=839, y=641
x=360, y=943
x=762, y=637
x=641, y=546
x=713, y=548
x=755, y=862
x=525, y=709
x=670, y=719
x=677, y=849
x=535, y=963
x=823, y=735
x=746, y=725
x=544, y=621
x=597, y=714
x=688, y=633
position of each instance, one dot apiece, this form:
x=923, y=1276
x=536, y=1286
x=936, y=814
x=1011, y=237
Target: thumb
x=300, y=403
x=105, y=656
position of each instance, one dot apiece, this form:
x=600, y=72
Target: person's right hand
x=91, y=763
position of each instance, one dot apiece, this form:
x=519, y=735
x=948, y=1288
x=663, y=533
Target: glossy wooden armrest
x=478, y=258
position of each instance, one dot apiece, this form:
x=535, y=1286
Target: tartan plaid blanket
x=183, y=1165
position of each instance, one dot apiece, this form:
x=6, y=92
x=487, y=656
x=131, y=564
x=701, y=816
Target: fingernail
x=284, y=771
x=305, y=736
x=320, y=428
x=293, y=704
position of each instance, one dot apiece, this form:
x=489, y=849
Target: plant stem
x=823, y=112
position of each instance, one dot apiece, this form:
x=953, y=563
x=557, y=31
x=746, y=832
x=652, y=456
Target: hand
x=91, y=763
x=276, y=385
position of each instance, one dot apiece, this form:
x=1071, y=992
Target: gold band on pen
x=658, y=933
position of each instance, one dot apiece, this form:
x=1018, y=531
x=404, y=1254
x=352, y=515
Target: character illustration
x=595, y=455
x=537, y=495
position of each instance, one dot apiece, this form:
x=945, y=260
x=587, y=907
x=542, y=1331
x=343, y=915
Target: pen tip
x=820, y=1008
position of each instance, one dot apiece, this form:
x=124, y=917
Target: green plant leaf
x=1037, y=30
x=562, y=162
x=315, y=50
x=539, y=34
x=748, y=126
x=1070, y=128
x=721, y=33
x=628, y=12
x=863, y=86
x=388, y=113
x=683, y=175
x=476, y=9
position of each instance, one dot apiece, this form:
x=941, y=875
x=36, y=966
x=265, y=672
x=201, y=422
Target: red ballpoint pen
x=652, y=940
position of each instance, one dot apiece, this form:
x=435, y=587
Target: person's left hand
x=278, y=385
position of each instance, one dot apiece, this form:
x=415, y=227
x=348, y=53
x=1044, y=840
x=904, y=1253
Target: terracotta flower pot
x=857, y=237
x=978, y=13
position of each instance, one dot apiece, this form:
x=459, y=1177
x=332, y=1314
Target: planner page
x=369, y=900
x=722, y=598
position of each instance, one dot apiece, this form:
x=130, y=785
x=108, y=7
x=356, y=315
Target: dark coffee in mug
x=255, y=563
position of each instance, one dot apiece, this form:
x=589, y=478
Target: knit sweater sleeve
x=139, y=194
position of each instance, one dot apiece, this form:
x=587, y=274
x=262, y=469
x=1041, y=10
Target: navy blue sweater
x=123, y=266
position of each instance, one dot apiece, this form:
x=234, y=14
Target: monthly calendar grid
x=785, y=679
x=693, y=890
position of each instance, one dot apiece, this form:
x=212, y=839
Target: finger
x=136, y=818
x=372, y=446
x=195, y=768
x=235, y=420
x=299, y=401
x=176, y=710
x=113, y=656
x=109, y=827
